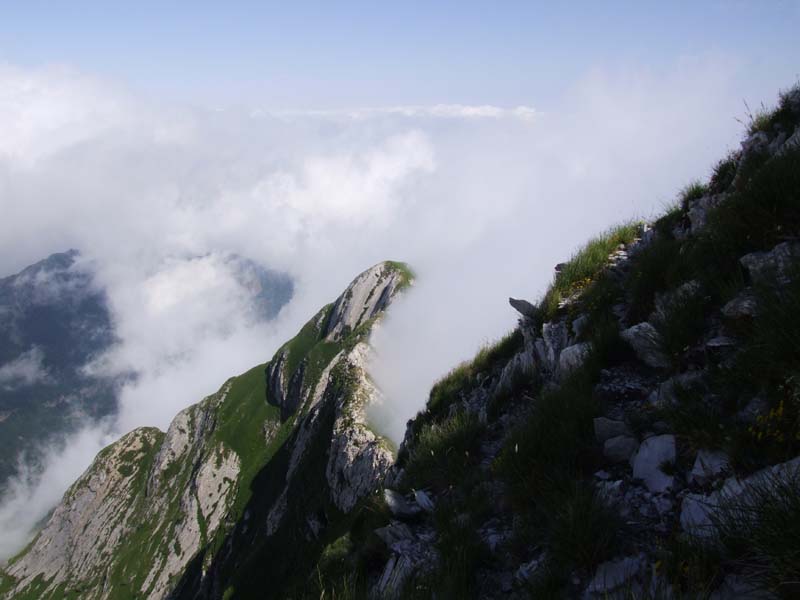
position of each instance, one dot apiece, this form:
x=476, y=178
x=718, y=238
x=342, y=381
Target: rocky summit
x=637, y=435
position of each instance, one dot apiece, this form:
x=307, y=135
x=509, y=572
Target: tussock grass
x=546, y=462
x=334, y=578
x=754, y=534
x=693, y=191
x=585, y=265
x=657, y=268
x=444, y=452
x=692, y=566
x=544, y=453
x=723, y=173
x=344, y=565
x=696, y=416
x=681, y=323
x=553, y=446
x=765, y=212
x=582, y=529
x=758, y=532
x=768, y=119
x=673, y=215
x=463, y=552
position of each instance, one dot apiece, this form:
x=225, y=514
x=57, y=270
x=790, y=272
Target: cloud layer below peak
x=480, y=200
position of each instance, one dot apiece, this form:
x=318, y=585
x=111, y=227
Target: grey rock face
x=742, y=306
x=757, y=144
x=277, y=384
x=398, y=505
x=646, y=342
x=720, y=347
x=777, y=263
x=791, y=143
x=523, y=307
x=528, y=570
x=698, y=212
x=620, y=448
x=573, y=357
x=394, y=533
x=666, y=301
x=697, y=510
x=708, y=465
x=363, y=299
x=410, y=556
x=424, y=501
x=605, y=428
x=105, y=506
x=579, y=325
x=88, y=507
x=613, y=575
x=358, y=458
x=653, y=453
x=521, y=365
x=549, y=346
x=668, y=391
x=622, y=385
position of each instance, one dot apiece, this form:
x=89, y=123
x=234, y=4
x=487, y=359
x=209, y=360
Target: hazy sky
x=480, y=142
x=345, y=54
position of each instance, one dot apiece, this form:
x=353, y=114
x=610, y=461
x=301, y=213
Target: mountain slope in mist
x=53, y=321
x=155, y=505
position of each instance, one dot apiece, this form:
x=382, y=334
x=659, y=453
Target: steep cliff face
x=331, y=462
x=148, y=502
x=154, y=506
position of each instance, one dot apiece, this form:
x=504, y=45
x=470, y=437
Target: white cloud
x=439, y=111
x=481, y=200
x=26, y=369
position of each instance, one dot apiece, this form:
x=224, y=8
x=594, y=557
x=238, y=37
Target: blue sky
x=334, y=55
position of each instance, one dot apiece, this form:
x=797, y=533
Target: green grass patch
x=693, y=191
x=444, y=452
x=769, y=120
x=407, y=275
x=656, y=268
x=681, y=322
x=585, y=265
x=666, y=223
x=723, y=173
x=581, y=528
x=300, y=345
x=465, y=552
x=546, y=451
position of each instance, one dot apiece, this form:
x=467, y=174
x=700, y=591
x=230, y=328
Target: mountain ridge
x=153, y=501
